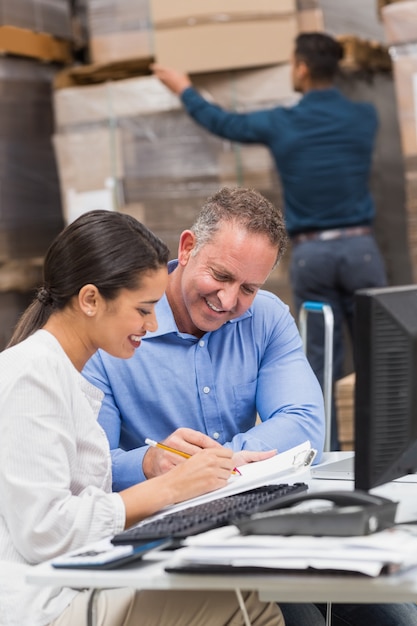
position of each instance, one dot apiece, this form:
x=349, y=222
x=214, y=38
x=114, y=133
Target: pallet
x=27, y=43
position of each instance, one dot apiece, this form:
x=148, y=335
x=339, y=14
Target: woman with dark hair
x=103, y=275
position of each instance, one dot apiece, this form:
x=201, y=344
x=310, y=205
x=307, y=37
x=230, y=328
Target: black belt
x=334, y=233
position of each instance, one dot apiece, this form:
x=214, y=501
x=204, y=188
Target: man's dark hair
x=321, y=53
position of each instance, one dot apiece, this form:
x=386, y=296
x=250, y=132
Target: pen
x=156, y=444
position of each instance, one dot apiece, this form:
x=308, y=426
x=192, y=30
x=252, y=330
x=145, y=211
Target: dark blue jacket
x=322, y=148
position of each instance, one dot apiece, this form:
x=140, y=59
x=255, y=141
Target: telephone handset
x=333, y=513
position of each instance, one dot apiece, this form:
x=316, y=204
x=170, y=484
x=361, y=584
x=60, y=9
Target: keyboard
x=208, y=515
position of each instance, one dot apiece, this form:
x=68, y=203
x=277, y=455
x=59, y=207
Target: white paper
x=284, y=465
x=394, y=547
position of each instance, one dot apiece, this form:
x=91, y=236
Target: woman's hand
x=205, y=471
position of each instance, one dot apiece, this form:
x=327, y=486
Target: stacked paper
x=224, y=549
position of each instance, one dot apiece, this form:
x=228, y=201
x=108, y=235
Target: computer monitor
x=385, y=354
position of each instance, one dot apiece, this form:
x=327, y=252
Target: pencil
x=156, y=444
x=185, y=455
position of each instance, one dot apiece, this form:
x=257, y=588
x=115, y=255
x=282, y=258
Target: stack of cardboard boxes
x=31, y=32
x=155, y=162
x=39, y=29
x=345, y=392
x=198, y=36
x=119, y=30
x=38, y=16
x=400, y=22
x=35, y=43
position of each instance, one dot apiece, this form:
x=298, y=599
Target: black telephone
x=344, y=513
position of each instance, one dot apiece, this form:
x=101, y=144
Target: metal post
x=326, y=311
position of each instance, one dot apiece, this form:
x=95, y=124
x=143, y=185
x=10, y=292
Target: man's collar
x=172, y=265
x=324, y=92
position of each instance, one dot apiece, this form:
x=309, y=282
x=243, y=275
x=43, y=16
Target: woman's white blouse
x=55, y=473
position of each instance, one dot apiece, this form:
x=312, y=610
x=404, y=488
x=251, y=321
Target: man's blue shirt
x=216, y=384
x=322, y=148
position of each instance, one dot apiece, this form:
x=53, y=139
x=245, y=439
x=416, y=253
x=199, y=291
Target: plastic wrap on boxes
x=356, y=17
x=80, y=23
x=309, y=16
x=400, y=22
x=45, y=16
x=404, y=60
x=30, y=210
x=152, y=154
x=111, y=101
x=119, y=30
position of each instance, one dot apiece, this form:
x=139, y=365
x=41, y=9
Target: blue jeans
x=331, y=272
x=404, y=614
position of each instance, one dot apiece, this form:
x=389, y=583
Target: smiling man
x=224, y=353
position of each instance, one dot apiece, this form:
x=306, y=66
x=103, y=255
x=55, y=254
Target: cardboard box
x=119, y=30
x=249, y=90
x=192, y=11
x=30, y=214
x=191, y=49
x=111, y=101
x=383, y=3
x=310, y=20
x=400, y=22
x=137, y=44
x=152, y=152
x=194, y=38
x=344, y=397
x=41, y=16
x=405, y=76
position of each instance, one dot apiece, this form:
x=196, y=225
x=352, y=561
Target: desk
x=150, y=574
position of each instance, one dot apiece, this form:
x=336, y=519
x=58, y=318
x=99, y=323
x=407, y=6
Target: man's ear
x=88, y=299
x=301, y=69
x=186, y=245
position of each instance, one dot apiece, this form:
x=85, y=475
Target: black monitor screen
x=385, y=353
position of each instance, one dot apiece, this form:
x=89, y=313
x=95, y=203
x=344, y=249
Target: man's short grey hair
x=246, y=208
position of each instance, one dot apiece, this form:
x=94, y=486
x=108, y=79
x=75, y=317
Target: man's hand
x=248, y=456
x=174, y=80
x=157, y=461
